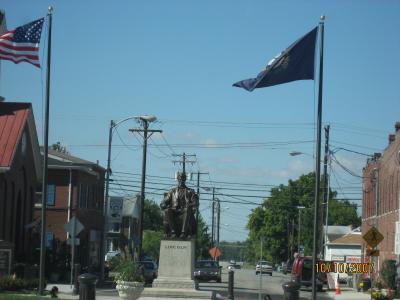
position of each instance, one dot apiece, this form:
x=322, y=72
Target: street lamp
x=113, y=125
x=297, y=153
x=144, y=120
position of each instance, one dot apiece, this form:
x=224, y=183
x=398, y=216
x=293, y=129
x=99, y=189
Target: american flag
x=22, y=43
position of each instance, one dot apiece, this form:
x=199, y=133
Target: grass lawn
x=13, y=296
x=19, y=297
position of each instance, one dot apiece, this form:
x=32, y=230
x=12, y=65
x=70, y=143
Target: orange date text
x=339, y=267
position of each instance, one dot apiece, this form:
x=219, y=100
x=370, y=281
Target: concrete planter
x=128, y=290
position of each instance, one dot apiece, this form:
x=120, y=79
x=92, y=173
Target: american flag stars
x=22, y=43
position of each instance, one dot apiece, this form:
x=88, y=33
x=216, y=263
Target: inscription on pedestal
x=176, y=259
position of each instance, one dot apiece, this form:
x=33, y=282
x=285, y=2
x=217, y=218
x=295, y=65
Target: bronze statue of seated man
x=180, y=205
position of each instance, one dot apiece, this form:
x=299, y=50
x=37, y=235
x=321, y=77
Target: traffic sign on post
x=73, y=242
x=73, y=227
x=69, y=227
x=215, y=252
x=372, y=252
x=373, y=237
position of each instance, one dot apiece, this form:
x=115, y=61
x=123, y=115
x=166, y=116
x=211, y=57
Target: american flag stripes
x=22, y=43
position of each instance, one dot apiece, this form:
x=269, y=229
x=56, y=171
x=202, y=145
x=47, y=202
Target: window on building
x=83, y=196
x=49, y=240
x=51, y=194
x=4, y=211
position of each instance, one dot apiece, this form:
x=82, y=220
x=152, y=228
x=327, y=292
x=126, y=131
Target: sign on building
x=397, y=239
x=353, y=259
x=337, y=258
x=115, y=206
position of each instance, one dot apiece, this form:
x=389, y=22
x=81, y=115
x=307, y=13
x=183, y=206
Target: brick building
x=381, y=183
x=75, y=188
x=20, y=176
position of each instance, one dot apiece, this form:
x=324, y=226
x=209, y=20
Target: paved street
x=247, y=286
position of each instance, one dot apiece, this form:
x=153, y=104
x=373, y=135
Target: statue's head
x=181, y=179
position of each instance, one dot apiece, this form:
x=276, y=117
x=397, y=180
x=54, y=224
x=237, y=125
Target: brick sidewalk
x=349, y=294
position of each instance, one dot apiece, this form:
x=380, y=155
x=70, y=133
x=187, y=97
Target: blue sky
x=177, y=60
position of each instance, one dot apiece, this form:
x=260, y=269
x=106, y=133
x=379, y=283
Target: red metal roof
x=13, y=117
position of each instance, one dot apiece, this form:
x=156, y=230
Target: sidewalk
x=65, y=292
x=349, y=294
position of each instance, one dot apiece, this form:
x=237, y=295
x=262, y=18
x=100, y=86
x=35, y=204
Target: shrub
x=113, y=262
x=128, y=270
x=7, y=283
x=388, y=273
x=378, y=284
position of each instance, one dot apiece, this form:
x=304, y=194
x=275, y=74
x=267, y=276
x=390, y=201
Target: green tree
x=153, y=229
x=59, y=148
x=203, y=239
x=233, y=251
x=153, y=218
x=276, y=220
x=388, y=273
x=343, y=212
x=151, y=243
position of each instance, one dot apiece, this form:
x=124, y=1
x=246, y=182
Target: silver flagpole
x=45, y=162
x=318, y=159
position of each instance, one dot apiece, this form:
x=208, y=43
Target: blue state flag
x=294, y=63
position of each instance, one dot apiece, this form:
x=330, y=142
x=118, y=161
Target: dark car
x=206, y=270
x=150, y=270
x=287, y=266
x=302, y=273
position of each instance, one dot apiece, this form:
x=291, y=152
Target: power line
x=168, y=181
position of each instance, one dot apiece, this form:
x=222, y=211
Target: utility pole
x=326, y=187
x=292, y=240
x=184, y=160
x=103, y=251
x=260, y=264
x=197, y=211
x=144, y=120
x=213, y=218
x=288, y=237
x=298, y=233
x=218, y=220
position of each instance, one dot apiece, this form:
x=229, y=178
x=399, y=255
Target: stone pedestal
x=176, y=265
x=175, y=273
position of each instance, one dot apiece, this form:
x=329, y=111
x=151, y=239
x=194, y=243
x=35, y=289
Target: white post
x=69, y=197
x=261, y=255
x=73, y=251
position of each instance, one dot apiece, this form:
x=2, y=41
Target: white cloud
x=209, y=143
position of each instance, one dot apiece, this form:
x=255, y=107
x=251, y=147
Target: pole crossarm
x=184, y=160
x=149, y=132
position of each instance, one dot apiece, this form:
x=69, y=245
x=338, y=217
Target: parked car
x=287, y=266
x=111, y=254
x=150, y=270
x=206, y=270
x=302, y=273
x=264, y=267
x=233, y=265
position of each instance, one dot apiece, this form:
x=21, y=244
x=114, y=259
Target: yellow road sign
x=373, y=237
